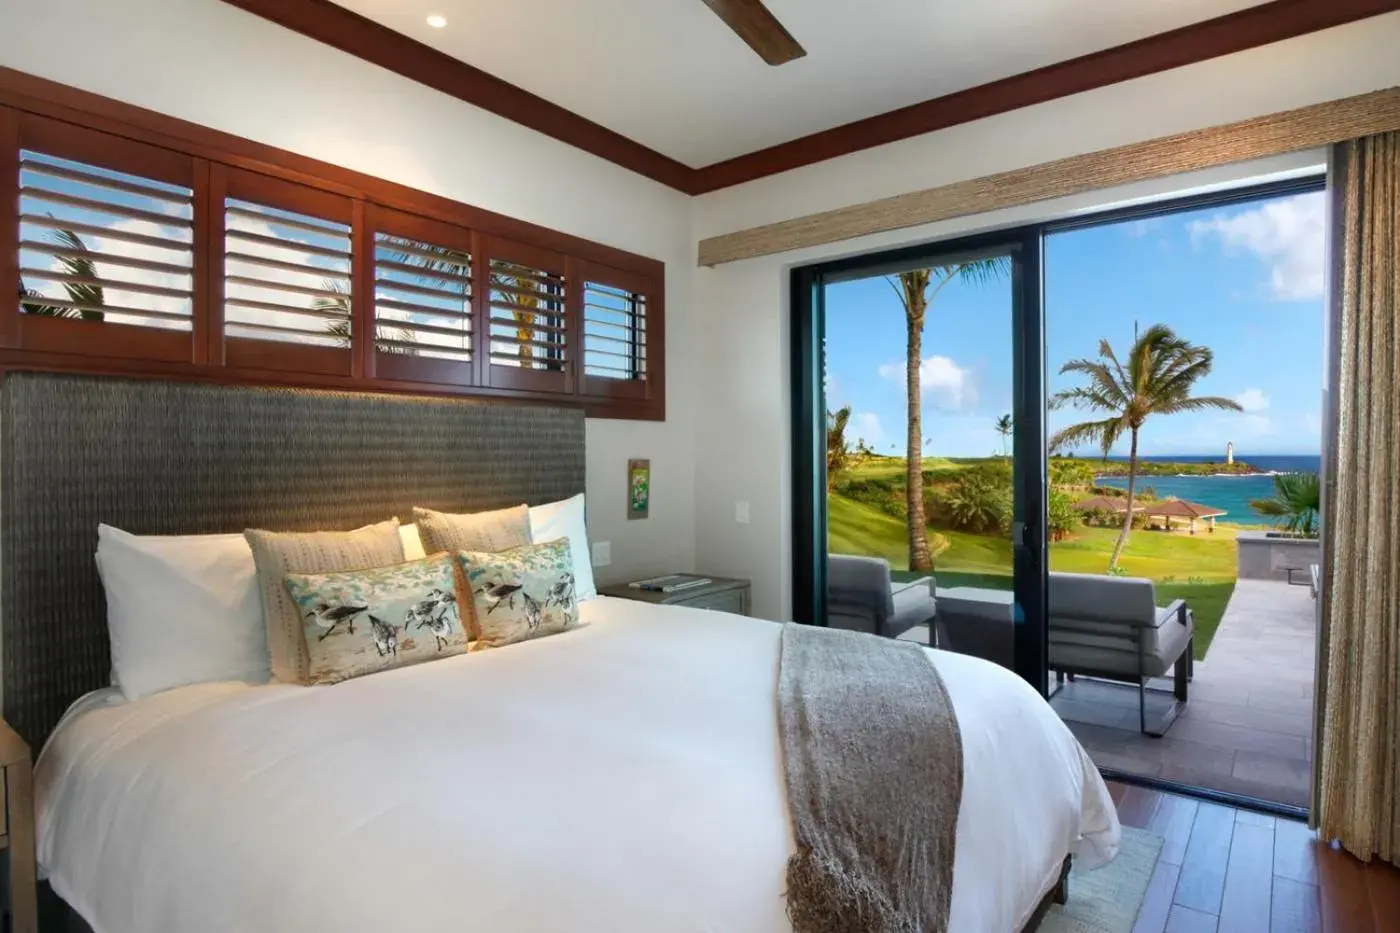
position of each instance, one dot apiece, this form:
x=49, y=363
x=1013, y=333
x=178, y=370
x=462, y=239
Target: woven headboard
x=179, y=458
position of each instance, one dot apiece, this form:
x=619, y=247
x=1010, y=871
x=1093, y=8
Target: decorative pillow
x=180, y=610
x=500, y=530
x=521, y=593
x=277, y=554
x=364, y=621
x=564, y=519
x=412, y=544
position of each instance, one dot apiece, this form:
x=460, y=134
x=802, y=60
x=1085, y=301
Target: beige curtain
x=1360, y=738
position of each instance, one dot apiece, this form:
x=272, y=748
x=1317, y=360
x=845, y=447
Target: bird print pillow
x=521, y=593
x=363, y=621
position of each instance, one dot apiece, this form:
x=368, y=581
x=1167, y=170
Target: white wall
x=743, y=429
x=726, y=435
x=207, y=62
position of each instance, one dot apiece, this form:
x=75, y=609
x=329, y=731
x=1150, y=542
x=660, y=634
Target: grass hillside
x=1199, y=568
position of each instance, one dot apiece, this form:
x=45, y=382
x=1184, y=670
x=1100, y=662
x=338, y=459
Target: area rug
x=1107, y=900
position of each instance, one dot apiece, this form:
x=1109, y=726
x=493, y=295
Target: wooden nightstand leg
x=19, y=801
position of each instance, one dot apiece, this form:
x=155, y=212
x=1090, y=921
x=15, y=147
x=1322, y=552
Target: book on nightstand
x=670, y=583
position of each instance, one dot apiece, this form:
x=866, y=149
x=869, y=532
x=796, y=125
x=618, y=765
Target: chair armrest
x=1177, y=608
x=896, y=588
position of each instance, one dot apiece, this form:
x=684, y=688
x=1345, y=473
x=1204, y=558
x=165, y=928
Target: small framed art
x=638, y=488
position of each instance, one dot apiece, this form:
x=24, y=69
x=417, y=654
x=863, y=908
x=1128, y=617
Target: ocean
x=1231, y=493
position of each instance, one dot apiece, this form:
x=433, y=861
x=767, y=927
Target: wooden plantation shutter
x=287, y=275
x=528, y=340
x=618, y=330
x=424, y=300
x=105, y=245
x=136, y=244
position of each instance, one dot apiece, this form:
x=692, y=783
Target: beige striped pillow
x=277, y=554
x=491, y=532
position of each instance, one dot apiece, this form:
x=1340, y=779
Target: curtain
x=1359, y=777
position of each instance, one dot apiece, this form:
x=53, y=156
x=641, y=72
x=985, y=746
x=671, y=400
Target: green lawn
x=1171, y=560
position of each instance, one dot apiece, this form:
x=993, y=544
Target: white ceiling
x=670, y=75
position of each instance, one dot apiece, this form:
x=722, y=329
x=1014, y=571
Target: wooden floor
x=1234, y=871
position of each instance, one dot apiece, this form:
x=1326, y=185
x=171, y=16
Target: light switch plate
x=602, y=553
x=741, y=512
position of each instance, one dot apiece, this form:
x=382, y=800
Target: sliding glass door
x=919, y=465
x=1179, y=484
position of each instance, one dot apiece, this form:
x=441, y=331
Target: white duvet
x=625, y=776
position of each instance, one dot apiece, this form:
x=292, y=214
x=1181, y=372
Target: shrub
x=978, y=500
x=883, y=493
x=1102, y=518
x=1062, y=515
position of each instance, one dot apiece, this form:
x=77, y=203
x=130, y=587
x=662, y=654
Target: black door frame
x=808, y=334
x=1030, y=474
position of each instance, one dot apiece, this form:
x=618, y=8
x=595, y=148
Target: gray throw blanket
x=874, y=782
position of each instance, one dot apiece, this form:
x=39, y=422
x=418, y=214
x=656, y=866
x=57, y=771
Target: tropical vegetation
x=1158, y=378
x=85, y=298
x=916, y=290
x=1296, y=503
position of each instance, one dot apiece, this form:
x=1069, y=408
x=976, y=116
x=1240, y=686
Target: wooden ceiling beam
x=1246, y=29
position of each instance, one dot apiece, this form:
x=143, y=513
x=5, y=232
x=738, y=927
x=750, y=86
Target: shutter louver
x=621, y=330
x=528, y=327
x=614, y=332
x=286, y=276
x=422, y=299
x=102, y=246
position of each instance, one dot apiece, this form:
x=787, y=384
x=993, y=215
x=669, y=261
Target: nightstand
x=723, y=594
x=17, y=830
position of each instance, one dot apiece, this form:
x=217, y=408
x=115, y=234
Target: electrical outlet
x=741, y=512
x=602, y=553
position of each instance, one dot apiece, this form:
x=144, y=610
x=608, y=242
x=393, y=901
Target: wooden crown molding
x=1225, y=35
x=1275, y=134
x=1250, y=28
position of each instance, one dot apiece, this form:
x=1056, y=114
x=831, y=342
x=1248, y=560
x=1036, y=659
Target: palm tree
x=1296, y=501
x=916, y=291
x=340, y=329
x=1005, y=425
x=1157, y=379
x=837, y=452
x=79, y=264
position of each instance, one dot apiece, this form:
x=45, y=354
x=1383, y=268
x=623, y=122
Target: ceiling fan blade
x=759, y=28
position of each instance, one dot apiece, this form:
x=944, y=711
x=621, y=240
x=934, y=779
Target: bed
x=625, y=775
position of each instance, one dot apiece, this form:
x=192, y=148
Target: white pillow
x=181, y=610
x=412, y=543
x=564, y=519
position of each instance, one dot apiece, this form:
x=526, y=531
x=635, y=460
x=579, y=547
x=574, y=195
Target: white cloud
x=1256, y=425
x=865, y=426
x=1253, y=400
x=1288, y=235
x=950, y=386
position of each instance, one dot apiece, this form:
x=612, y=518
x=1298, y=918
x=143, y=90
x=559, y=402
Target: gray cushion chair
x=1100, y=626
x=862, y=597
x=1112, y=628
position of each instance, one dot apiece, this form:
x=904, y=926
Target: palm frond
x=1103, y=434
x=1197, y=403
x=82, y=267
x=982, y=271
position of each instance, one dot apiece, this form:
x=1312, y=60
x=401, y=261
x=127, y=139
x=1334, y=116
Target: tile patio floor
x=1247, y=727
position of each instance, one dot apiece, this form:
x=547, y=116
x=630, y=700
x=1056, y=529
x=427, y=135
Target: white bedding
x=625, y=776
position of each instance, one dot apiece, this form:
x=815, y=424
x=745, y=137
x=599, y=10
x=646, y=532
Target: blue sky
x=1246, y=281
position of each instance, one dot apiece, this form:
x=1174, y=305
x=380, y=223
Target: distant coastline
x=1195, y=479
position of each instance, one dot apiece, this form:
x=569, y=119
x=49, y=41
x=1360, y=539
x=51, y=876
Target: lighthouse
x=1229, y=453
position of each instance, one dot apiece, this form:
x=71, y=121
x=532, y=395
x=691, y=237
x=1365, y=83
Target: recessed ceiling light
x=437, y=21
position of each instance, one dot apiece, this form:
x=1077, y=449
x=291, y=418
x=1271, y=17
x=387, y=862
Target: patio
x=1247, y=728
